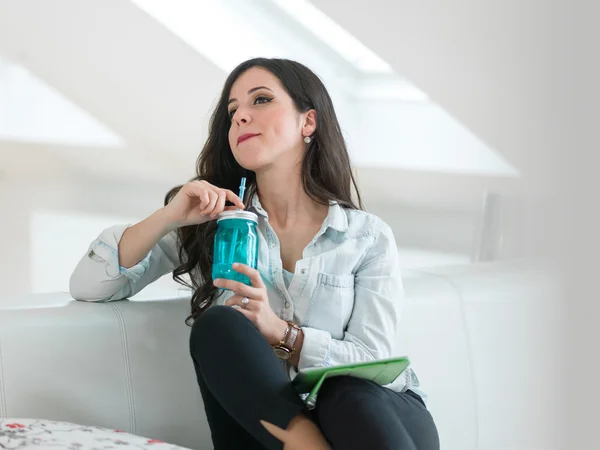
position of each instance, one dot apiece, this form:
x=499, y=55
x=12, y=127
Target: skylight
x=213, y=29
x=336, y=37
x=227, y=32
x=226, y=36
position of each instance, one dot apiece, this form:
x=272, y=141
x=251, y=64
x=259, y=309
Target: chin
x=253, y=166
x=251, y=160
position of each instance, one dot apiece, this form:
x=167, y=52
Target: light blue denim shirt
x=346, y=291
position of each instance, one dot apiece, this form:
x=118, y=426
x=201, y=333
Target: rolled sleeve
x=99, y=277
x=100, y=250
x=315, y=348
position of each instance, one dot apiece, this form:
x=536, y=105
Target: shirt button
x=272, y=245
x=287, y=304
x=303, y=271
x=112, y=271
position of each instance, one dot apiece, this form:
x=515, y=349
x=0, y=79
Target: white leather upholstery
x=471, y=332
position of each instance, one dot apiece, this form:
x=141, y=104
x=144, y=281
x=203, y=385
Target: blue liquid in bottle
x=236, y=241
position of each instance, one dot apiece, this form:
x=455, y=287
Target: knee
x=352, y=415
x=339, y=388
x=344, y=395
x=212, y=323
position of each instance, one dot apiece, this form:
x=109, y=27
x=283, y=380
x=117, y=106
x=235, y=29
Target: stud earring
x=307, y=139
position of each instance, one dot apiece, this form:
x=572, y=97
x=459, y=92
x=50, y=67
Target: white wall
x=421, y=136
x=420, y=169
x=52, y=210
x=482, y=61
x=520, y=75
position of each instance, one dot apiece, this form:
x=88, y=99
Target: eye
x=262, y=99
x=257, y=101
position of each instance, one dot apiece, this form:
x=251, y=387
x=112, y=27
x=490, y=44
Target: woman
x=327, y=280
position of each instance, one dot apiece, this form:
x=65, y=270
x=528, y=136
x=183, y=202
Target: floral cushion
x=47, y=434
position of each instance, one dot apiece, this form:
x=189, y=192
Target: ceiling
x=153, y=88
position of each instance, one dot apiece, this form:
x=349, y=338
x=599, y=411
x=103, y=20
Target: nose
x=242, y=116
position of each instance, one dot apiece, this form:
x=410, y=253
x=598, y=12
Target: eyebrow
x=250, y=92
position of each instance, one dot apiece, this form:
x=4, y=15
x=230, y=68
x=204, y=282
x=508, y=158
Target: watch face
x=282, y=353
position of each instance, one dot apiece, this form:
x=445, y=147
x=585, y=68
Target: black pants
x=242, y=382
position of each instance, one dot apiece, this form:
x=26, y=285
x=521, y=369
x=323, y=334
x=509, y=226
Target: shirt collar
x=336, y=216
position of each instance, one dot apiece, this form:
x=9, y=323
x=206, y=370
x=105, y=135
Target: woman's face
x=265, y=125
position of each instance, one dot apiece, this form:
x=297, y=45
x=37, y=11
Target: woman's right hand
x=198, y=202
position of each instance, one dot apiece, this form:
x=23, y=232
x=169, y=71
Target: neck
x=283, y=197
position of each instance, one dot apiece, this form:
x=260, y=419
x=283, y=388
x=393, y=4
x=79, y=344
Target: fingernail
x=217, y=282
x=236, y=265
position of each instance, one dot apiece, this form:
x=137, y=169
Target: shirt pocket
x=331, y=304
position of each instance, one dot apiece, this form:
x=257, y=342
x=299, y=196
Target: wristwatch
x=287, y=346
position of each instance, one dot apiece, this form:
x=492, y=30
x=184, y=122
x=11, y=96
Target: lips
x=245, y=137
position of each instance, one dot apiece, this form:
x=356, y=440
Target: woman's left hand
x=257, y=308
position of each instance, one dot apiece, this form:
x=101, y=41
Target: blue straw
x=242, y=189
x=235, y=231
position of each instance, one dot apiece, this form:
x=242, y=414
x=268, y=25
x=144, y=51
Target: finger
x=212, y=190
x=234, y=199
x=248, y=314
x=236, y=300
x=201, y=194
x=218, y=196
x=251, y=273
x=233, y=301
x=204, y=191
x=220, y=205
x=241, y=289
x=275, y=431
x=213, y=198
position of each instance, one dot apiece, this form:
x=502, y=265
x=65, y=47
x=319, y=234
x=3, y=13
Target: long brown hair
x=326, y=170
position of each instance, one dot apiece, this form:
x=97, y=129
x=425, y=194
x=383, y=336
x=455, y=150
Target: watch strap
x=291, y=336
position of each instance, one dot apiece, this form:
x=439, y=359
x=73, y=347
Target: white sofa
x=473, y=332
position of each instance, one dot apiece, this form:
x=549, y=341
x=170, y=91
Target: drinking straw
x=242, y=189
x=235, y=231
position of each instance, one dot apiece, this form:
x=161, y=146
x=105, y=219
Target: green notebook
x=381, y=372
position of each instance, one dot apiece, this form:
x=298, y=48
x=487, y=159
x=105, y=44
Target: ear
x=310, y=123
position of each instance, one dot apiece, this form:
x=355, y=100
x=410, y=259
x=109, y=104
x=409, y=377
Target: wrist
x=287, y=348
x=279, y=332
x=166, y=219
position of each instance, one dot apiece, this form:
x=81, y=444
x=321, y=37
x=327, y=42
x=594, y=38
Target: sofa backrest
x=470, y=332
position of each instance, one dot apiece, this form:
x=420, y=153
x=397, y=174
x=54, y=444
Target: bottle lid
x=238, y=214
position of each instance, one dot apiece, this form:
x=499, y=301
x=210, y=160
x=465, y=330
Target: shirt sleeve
x=372, y=328
x=98, y=277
